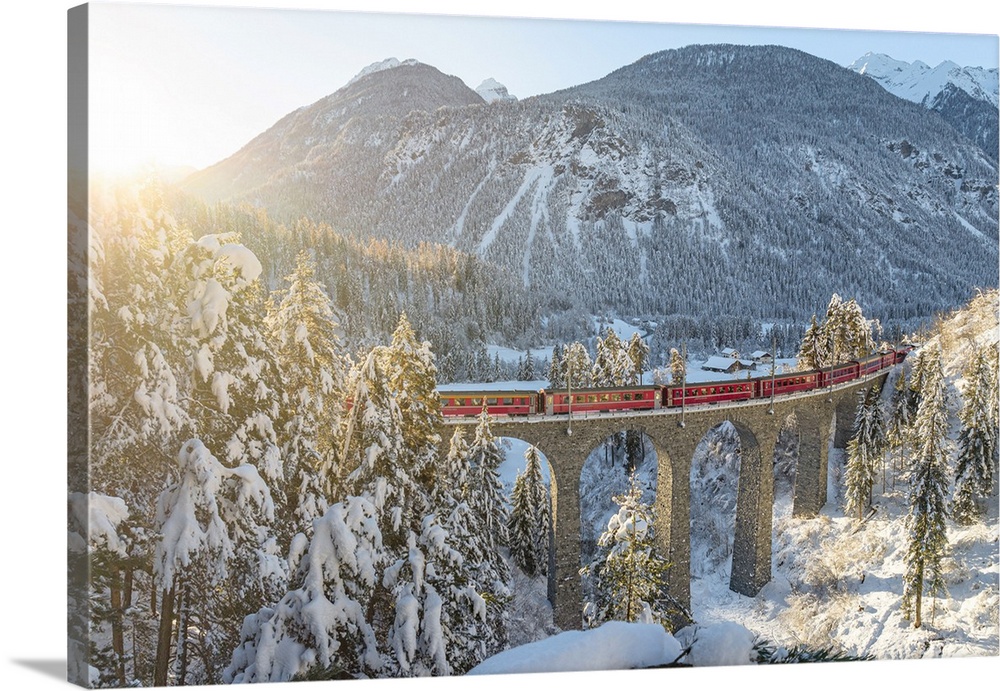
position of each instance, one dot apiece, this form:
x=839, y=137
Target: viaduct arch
x=823, y=417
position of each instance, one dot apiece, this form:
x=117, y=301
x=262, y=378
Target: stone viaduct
x=822, y=417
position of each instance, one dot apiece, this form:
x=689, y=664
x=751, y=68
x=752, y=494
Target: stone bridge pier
x=823, y=418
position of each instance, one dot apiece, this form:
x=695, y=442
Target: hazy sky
x=189, y=85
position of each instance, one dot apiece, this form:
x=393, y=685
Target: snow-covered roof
x=720, y=364
x=757, y=354
x=726, y=364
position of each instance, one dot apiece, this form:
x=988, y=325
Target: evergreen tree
x=520, y=531
x=526, y=368
x=440, y=618
x=858, y=478
x=977, y=441
x=638, y=353
x=412, y=378
x=452, y=485
x=812, y=352
x=578, y=366
x=613, y=365
x=900, y=424
x=235, y=368
x=489, y=517
x=865, y=452
x=926, y=519
x=321, y=629
x=214, y=529
x=528, y=532
x=557, y=369
x=631, y=575
x=843, y=335
x=678, y=368
x=374, y=454
x=303, y=328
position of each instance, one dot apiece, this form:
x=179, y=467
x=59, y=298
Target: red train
x=455, y=403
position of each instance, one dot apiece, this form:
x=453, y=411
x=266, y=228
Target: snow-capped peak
x=387, y=64
x=921, y=83
x=492, y=90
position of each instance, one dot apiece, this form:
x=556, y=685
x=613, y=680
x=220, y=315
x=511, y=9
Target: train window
x=491, y=401
x=616, y=397
x=592, y=398
x=476, y=401
x=509, y=401
x=711, y=390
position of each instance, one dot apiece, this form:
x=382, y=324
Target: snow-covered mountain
x=387, y=64
x=705, y=181
x=965, y=96
x=920, y=83
x=491, y=90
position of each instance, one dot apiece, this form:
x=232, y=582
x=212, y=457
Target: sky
x=184, y=85
x=32, y=279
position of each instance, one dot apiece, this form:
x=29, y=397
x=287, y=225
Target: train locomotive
x=520, y=402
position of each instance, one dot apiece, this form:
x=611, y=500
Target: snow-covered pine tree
x=236, y=378
x=452, y=484
x=304, y=332
x=843, y=335
x=321, y=628
x=928, y=487
x=578, y=366
x=528, y=532
x=858, y=478
x=638, y=353
x=977, y=440
x=520, y=531
x=440, y=618
x=137, y=414
x=865, y=452
x=489, y=517
x=373, y=453
x=541, y=501
x=631, y=575
x=857, y=340
x=412, y=378
x=812, y=351
x=214, y=528
x=526, y=367
x=137, y=381
x=678, y=369
x=612, y=365
x=900, y=423
x=557, y=368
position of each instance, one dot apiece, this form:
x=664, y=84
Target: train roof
x=605, y=389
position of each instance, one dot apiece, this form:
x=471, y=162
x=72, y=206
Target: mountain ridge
x=721, y=159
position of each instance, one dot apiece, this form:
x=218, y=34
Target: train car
x=791, y=382
x=602, y=400
x=903, y=351
x=838, y=374
x=470, y=403
x=709, y=392
x=870, y=364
